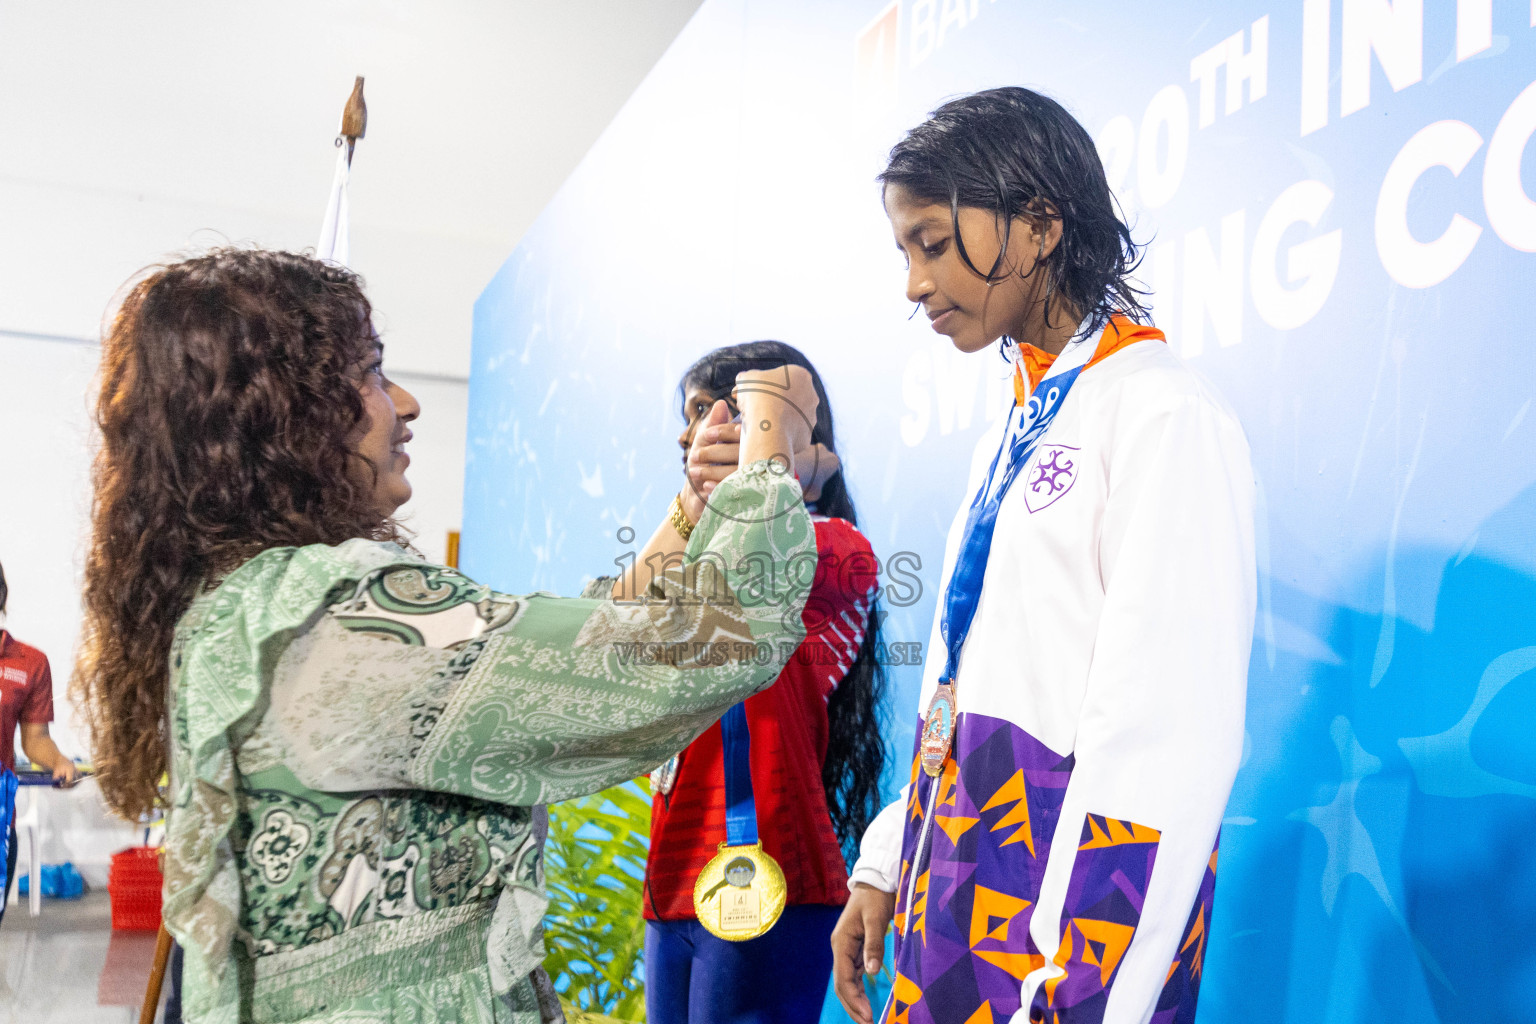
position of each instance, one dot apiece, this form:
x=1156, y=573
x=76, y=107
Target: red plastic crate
x=133, y=884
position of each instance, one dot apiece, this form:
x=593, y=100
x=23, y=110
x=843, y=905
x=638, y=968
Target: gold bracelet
x=679, y=518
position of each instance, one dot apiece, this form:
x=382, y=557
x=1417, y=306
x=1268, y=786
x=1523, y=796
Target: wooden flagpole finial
x=354, y=117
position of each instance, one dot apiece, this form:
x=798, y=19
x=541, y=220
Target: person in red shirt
x=26, y=698
x=816, y=751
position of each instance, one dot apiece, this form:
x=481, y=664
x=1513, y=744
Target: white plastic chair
x=29, y=830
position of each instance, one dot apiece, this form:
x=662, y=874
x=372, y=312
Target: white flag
x=335, y=242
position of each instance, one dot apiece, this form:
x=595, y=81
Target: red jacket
x=26, y=693
x=788, y=722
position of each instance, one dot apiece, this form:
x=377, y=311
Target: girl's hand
x=716, y=452
x=858, y=946
x=712, y=457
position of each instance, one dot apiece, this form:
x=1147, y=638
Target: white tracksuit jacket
x=1068, y=871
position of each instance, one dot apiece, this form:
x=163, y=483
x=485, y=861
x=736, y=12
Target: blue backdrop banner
x=1337, y=202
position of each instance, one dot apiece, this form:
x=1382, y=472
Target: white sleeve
x=879, y=863
x=1160, y=734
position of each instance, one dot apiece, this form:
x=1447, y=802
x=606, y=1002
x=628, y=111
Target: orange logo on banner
x=875, y=57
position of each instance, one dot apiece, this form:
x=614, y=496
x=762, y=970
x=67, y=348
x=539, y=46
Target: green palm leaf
x=594, y=935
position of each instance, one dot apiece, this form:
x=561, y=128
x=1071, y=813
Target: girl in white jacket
x=1053, y=856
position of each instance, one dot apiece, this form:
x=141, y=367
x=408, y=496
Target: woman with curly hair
x=358, y=741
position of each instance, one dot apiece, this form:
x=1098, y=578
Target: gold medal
x=938, y=731
x=740, y=893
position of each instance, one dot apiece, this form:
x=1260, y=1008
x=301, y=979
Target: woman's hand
x=716, y=452
x=785, y=399
x=858, y=946
x=778, y=410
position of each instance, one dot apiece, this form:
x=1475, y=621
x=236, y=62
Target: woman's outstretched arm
x=524, y=700
x=778, y=410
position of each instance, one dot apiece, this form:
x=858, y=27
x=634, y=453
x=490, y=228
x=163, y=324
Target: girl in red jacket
x=816, y=751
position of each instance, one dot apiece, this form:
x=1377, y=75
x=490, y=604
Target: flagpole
x=354, y=118
x=335, y=230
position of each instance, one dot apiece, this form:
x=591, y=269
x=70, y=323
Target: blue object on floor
x=60, y=881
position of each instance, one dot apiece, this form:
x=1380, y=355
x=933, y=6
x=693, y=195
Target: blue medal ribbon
x=8, y=785
x=740, y=807
x=963, y=593
x=964, y=590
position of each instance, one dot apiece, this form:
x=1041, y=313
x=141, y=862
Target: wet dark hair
x=5, y=591
x=1020, y=154
x=855, y=745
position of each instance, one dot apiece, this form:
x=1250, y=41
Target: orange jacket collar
x=1118, y=333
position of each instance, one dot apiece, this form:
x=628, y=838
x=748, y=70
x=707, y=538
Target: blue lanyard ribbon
x=964, y=590
x=740, y=807
x=7, y=820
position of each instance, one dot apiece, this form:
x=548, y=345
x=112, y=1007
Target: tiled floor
x=68, y=966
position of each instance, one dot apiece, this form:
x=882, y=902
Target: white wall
x=437, y=461
x=131, y=130
x=45, y=498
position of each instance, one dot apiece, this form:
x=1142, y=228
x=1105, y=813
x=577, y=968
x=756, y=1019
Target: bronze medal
x=740, y=893
x=938, y=730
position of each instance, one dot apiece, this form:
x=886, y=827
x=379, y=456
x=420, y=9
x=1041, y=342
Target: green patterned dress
x=362, y=743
